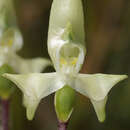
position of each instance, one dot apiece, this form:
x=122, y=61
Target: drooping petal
x=23, y=66
x=96, y=87
x=99, y=107
x=35, y=87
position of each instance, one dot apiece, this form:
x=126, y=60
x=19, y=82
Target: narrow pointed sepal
x=96, y=86
x=99, y=107
x=35, y=86
x=30, y=107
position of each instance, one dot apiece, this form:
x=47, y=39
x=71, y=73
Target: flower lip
x=70, y=57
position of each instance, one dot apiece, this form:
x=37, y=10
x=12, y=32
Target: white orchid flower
x=11, y=42
x=66, y=46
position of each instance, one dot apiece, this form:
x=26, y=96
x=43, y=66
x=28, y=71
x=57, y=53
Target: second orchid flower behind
x=66, y=46
x=11, y=41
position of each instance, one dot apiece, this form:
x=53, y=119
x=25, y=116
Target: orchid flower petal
x=96, y=86
x=35, y=87
x=23, y=66
x=35, y=65
x=99, y=107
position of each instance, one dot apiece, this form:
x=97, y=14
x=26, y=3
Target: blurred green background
x=108, y=51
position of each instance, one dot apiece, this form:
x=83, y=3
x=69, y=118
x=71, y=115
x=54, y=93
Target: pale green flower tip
x=115, y=78
x=31, y=106
x=101, y=114
x=102, y=117
x=30, y=113
x=8, y=76
x=119, y=78
x=99, y=107
x=5, y=75
x=124, y=77
x=11, y=77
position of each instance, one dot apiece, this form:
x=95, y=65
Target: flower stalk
x=5, y=113
x=62, y=126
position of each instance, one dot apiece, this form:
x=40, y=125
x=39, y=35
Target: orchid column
x=66, y=47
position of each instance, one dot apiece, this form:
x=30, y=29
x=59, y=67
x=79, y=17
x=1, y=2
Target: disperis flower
x=66, y=46
x=11, y=41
